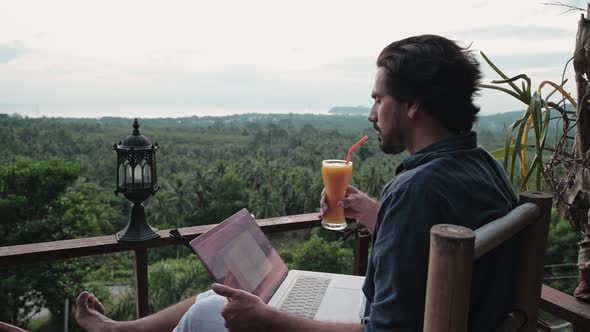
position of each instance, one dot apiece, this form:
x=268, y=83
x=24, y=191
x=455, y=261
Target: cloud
x=11, y=51
x=257, y=87
x=517, y=32
x=46, y=79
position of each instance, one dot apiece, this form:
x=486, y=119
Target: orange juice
x=336, y=175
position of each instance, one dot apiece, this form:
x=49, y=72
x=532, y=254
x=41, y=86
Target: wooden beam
x=360, y=253
x=566, y=307
x=141, y=283
x=46, y=251
x=491, y=235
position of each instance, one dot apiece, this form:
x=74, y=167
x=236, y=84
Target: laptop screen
x=238, y=254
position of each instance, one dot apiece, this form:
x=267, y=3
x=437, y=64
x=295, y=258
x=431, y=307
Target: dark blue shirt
x=454, y=182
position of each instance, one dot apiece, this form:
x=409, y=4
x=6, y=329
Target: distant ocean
x=92, y=112
x=37, y=111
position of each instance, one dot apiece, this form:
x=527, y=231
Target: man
x=423, y=103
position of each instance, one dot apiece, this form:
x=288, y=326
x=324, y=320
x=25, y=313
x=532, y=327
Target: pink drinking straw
x=356, y=145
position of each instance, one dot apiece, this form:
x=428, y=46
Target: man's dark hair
x=436, y=73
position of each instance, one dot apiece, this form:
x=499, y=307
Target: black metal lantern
x=137, y=180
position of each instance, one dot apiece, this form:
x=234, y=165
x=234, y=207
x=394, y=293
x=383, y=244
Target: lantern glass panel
x=122, y=174
x=128, y=175
x=134, y=176
x=147, y=174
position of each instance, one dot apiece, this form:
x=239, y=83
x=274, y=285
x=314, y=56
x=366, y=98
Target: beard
x=391, y=143
x=390, y=146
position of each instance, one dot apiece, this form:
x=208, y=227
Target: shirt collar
x=456, y=142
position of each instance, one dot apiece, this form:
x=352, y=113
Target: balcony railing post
x=534, y=242
x=449, y=278
x=360, y=255
x=141, y=283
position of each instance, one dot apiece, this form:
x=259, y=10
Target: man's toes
x=99, y=307
x=96, y=304
x=82, y=300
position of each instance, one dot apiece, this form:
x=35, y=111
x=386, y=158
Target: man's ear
x=412, y=109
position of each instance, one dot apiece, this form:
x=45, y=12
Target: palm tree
x=161, y=211
x=265, y=203
x=286, y=191
x=200, y=184
x=307, y=191
x=371, y=180
x=182, y=196
x=220, y=168
x=253, y=173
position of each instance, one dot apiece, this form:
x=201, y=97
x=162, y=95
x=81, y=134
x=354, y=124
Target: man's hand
x=356, y=205
x=243, y=312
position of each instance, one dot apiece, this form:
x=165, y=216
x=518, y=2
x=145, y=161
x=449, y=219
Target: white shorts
x=204, y=315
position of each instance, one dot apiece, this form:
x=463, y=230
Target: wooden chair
x=453, y=249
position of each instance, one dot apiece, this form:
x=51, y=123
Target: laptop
x=238, y=254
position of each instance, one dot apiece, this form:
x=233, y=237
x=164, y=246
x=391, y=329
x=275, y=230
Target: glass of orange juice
x=336, y=175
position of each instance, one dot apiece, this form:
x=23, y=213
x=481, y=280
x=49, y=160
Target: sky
x=178, y=58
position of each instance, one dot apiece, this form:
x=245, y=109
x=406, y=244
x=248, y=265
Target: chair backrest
x=453, y=249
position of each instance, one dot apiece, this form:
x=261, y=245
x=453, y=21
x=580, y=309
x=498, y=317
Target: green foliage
x=36, y=324
x=537, y=116
x=230, y=195
x=319, y=255
x=170, y=281
x=562, y=243
x=208, y=169
x=36, y=207
x=562, y=255
x=274, y=159
x=27, y=191
x=265, y=203
x=542, y=115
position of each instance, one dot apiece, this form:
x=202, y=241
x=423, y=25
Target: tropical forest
x=58, y=176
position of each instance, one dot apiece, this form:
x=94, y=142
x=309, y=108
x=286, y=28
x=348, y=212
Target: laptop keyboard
x=305, y=296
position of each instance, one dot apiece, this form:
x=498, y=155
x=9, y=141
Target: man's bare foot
x=10, y=328
x=90, y=314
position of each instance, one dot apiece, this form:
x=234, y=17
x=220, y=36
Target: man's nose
x=372, y=116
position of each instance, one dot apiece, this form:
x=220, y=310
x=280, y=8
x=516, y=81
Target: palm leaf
x=554, y=90
x=523, y=159
x=497, y=70
x=530, y=172
x=512, y=93
x=508, y=143
x=560, y=89
x=545, y=128
x=508, y=146
x=516, y=154
x=501, y=153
